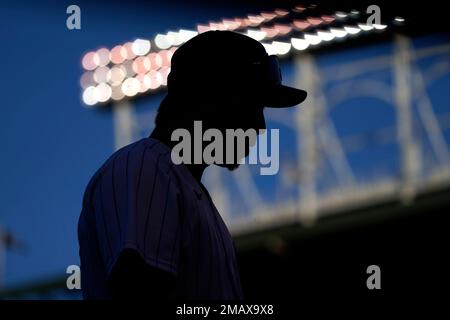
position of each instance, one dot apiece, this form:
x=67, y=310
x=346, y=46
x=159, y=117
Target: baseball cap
x=217, y=62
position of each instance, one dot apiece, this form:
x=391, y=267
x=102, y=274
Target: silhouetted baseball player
x=148, y=227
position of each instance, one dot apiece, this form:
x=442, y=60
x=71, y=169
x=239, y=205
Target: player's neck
x=164, y=135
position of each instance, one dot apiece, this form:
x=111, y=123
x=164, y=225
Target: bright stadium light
x=325, y=36
x=90, y=96
x=202, y=28
x=217, y=26
x=379, y=26
x=281, y=12
x=301, y=24
x=118, y=54
x=171, y=39
x=255, y=19
x=314, y=21
x=131, y=86
x=141, y=65
x=186, y=35
x=103, y=57
x=162, y=41
x=90, y=61
x=268, y=15
x=256, y=34
x=116, y=93
x=128, y=67
x=116, y=75
x=399, y=21
x=282, y=29
x=136, y=67
x=299, y=8
x=164, y=71
x=230, y=24
x=281, y=48
x=340, y=15
x=87, y=79
x=155, y=79
x=327, y=19
x=101, y=74
x=365, y=27
x=339, y=33
x=129, y=55
x=270, y=32
x=299, y=44
x=103, y=92
x=140, y=47
x=144, y=81
x=177, y=40
x=156, y=60
x=352, y=30
x=270, y=49
x=312, y=39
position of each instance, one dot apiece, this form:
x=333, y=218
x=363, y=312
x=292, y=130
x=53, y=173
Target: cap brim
x=283, y=97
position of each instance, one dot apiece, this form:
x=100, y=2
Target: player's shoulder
x=144, y=154
x=142, y=159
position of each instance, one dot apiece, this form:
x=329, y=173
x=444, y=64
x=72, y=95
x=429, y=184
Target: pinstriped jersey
x=140, y=200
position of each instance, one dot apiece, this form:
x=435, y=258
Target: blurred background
x=364, y=172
